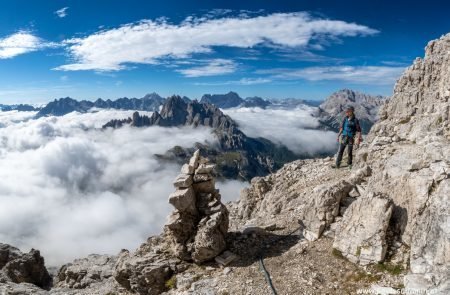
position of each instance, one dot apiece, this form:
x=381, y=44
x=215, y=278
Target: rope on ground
x=261, y=259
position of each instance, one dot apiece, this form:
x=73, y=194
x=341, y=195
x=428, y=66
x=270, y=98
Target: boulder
x=361, y=235
x=210, y=238
x=19, y=267
x=143, y=274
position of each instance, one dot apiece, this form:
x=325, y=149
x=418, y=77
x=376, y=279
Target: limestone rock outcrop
x=361, y=235
x=146, y=270
x=18, y=267
x=321, y=209
x=198, y=225
x=409, y=152
x=83, y=272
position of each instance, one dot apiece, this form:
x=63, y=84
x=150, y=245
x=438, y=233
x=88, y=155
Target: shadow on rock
x=251, y=247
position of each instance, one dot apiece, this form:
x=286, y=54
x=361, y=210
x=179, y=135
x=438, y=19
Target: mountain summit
x=224, y=101
x=332, y=110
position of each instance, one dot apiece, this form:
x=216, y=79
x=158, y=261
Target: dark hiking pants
x=345, y=141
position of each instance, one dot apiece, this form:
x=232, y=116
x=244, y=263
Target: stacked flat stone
x=198, y=225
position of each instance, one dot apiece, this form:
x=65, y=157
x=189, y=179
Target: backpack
x=350, y=126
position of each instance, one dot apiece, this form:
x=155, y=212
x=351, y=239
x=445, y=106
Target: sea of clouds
x=69, y=188
x=296, y=128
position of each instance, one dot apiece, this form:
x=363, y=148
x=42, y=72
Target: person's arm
x=358, y=132
x=340, y=129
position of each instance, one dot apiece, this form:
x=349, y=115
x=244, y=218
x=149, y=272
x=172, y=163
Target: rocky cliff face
x=395, y=207
x=409, y=151
x=332, y=110
x=238, y=155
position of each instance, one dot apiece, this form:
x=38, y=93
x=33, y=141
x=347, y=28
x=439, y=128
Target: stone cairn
x=198, y=226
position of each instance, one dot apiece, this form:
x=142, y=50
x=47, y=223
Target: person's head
x=349, y=111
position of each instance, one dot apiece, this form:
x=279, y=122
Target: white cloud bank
x=61, y=13
x=291, y=127
x=148, y=41
x=70, y=190
x=20, y=43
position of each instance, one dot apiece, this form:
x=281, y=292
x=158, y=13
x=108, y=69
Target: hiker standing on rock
x=349, y=129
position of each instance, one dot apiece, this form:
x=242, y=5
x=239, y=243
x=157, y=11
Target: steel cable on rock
x=261, y=259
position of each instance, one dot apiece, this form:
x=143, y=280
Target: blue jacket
x=350, y=126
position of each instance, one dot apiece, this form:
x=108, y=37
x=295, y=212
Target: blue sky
x=274, y=49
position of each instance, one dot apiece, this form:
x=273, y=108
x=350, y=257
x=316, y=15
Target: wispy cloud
x=20, y=43
x=62, y=12
x=243, y=81
x=212, y=67
x=148, y=41
x=378, y=75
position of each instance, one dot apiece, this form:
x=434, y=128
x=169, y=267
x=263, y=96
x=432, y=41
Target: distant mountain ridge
x=332, y=110
x=59, y=107
x=233, y=100
x=152, y=102
x=18, y=107
x=224, y=101
x=238, y=156
x=329, y=112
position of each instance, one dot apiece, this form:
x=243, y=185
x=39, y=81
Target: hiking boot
x=335, y=166
x=350, y=167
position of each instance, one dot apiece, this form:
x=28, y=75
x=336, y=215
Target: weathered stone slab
x=183, y=200
x=362, y=232
x=183, y=181
x=187, y=169
x=204, y=168
x=321, y=209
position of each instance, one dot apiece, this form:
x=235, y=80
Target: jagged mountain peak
x=332, y=110
x=228, y=100
x=62, y=106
